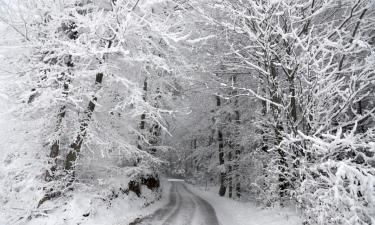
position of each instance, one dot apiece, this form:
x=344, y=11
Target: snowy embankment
x=231, y=212
x=91, y=208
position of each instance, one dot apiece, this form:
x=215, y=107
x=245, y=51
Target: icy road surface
x=184, y=208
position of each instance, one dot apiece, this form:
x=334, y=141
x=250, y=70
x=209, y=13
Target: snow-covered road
x=184, y=208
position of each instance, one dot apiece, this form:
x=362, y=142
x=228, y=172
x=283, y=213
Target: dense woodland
x=272, y=100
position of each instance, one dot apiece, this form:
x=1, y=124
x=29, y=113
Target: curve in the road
x=206, y=209
x=184, y=208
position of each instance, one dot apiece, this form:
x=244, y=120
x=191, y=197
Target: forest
x=177, y=112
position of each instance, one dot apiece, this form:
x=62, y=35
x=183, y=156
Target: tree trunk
x=142, y=124
x=237, y=147
x=69, y=30
x=220, y=140
x=278, y=129
x=263, y=128
x=237, y=156
x=297, y=152
x=223, y=188
x=293, y=102
x=238, y=178
x=55, y=147
x=283, y=183
x=76, y=146
x=230, y=175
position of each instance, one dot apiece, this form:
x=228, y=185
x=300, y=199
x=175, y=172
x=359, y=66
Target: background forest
x=273, y=101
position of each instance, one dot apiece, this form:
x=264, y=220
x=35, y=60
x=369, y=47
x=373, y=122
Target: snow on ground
x=140, y=212
x=231, y=212
x=91, y=208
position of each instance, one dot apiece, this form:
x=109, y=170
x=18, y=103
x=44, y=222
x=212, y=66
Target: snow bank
x=91, y=206
x=230, y=212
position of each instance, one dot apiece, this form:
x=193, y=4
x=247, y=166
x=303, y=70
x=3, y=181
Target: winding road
x=184, y=208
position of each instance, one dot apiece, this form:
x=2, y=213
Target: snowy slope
x=89, y=206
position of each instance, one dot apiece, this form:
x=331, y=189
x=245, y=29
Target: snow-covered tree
x=309, y=72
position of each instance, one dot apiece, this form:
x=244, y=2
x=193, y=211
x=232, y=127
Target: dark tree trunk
x=223, y=188
x=297, y=152
x=238, y=178
x=262, y=131
x=238, y=155
x=237, y=147
x=220, y=140
x=76, y=146
x=155, y=130
x=142, y=124
x=69, y=30
x=55, y=146
x=293, y=102
x=230, y=174
x=283, y=182
x=278, y=129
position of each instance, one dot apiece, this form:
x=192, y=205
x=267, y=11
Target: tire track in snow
x=183, y=208
x=206, y=210
x=176, y=211
x=162, y=213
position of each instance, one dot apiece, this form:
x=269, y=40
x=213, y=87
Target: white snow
x=176, y=180
x=119, y=211
x=231, y=212
x=194, y=41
